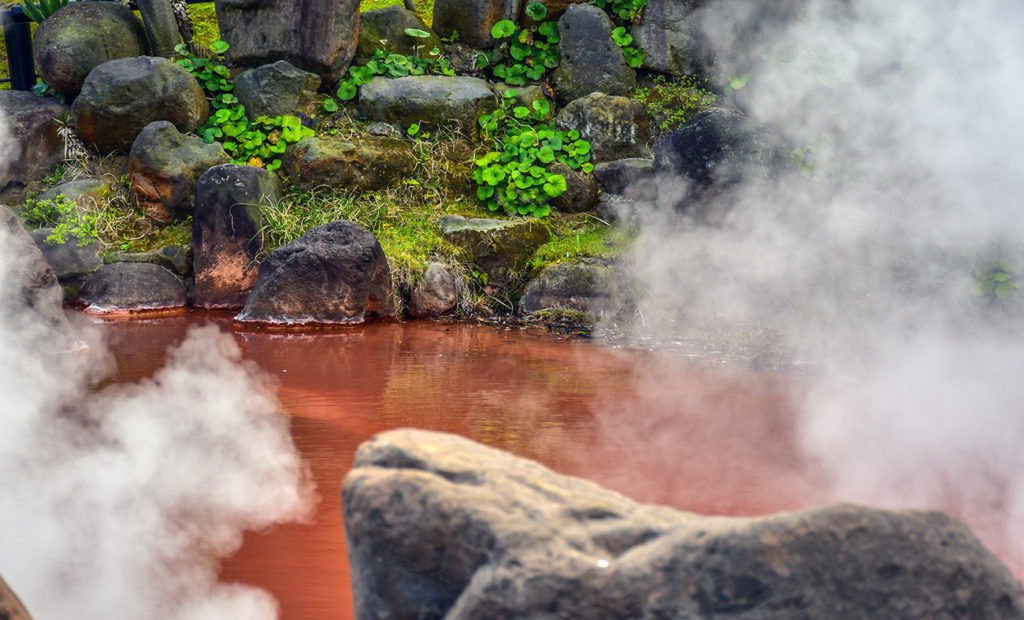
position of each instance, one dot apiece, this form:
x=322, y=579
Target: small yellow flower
x=255, y=161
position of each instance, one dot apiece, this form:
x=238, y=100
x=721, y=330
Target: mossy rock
x=498, y=249
x=366, y=164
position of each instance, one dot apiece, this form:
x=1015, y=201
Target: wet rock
x=31, y=297
x=436, y=295
x=121, y=288
x=716, y=152
x=11, y=607
x=669, y=35
x=591, y=61
x=314, y=35
x=633, y=177
x=82, y=36
x=442, y=526
x=334, y=274
x=472, y=19
x=277, y=89
x=164, y=166
x=72, y=263
x=498, y=249
x=616, y=127
x=226, y=232
x=172, y=257
x=432, y=101
x=85, y=192
x=580, y=193
x=32, y=146
x=572, y=286
x=365, y=164
x=389, y=25
x=121, y=97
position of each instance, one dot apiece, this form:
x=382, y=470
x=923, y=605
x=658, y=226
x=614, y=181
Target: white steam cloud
x=119, y=503
x=913, y=112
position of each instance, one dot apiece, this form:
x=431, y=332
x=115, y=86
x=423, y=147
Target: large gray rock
x=129, y=288
x=32, y=147
x=668, y=33
x=30, y=296
x=431, y=101
x=164, y=166
x=83, y=192
x=717, y=152
x=11, y=607
x=572, y=286
x=437, y=294
x=277, y=89
x=365, y=164
x=334, y=274
x=384, y=29
x=616, y=127
x=121, y=97
x=227, y=232
x=314, y=35
x=82, y=36
x=591, y=61
x=439, y=526
x=472, y=19
x=72, y=260
x=498, y=249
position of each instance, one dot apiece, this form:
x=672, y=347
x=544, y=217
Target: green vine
x=513, y=177
x=531, y=52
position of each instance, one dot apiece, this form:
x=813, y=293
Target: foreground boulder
x=431, y=101
x=127, y=288
x=314, y=35
x=122, y=96
x=227, y=232
x=164, y=166
x=366, y=164
x=10, y=606
x=440, y=526
x=334, y=274
x=82, y=36
x=277, y=89
x=32, y=147
x=591, y=61
x=616, y=127
x=497, y=249
x=30, y=296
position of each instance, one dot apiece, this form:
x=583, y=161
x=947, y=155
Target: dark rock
x=72, y=263
x=32, y=146
x=30, y=296
x=669, y=35
x=432, y=101
x=314, y=35
x=277, y=89
x=172, y=257
x=82, y=36
x=625, y=211
x=164, y=167
x=389, y=25
x=122, y=96
x=439, y=526
x=436, y=295
x=365, y=164
x=616, y=127
x=498, y=249
x=227, y=232
x=383, y=130
x=581, y=190
x=633, y=177
x=717, y=151
x=591, y=61
x=11, y=607
x=572, y=286
x=85, y=192
x=334, y=274
x=472, y=19
x=121, y=288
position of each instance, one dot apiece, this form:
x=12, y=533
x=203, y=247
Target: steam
x=118, y=504
x=868, y=270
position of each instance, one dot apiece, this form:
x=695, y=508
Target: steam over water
x=868, y=270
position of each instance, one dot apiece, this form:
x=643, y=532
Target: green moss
x=671, y=102
x=204, y=21
x=424, y=7
x=581, y=236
